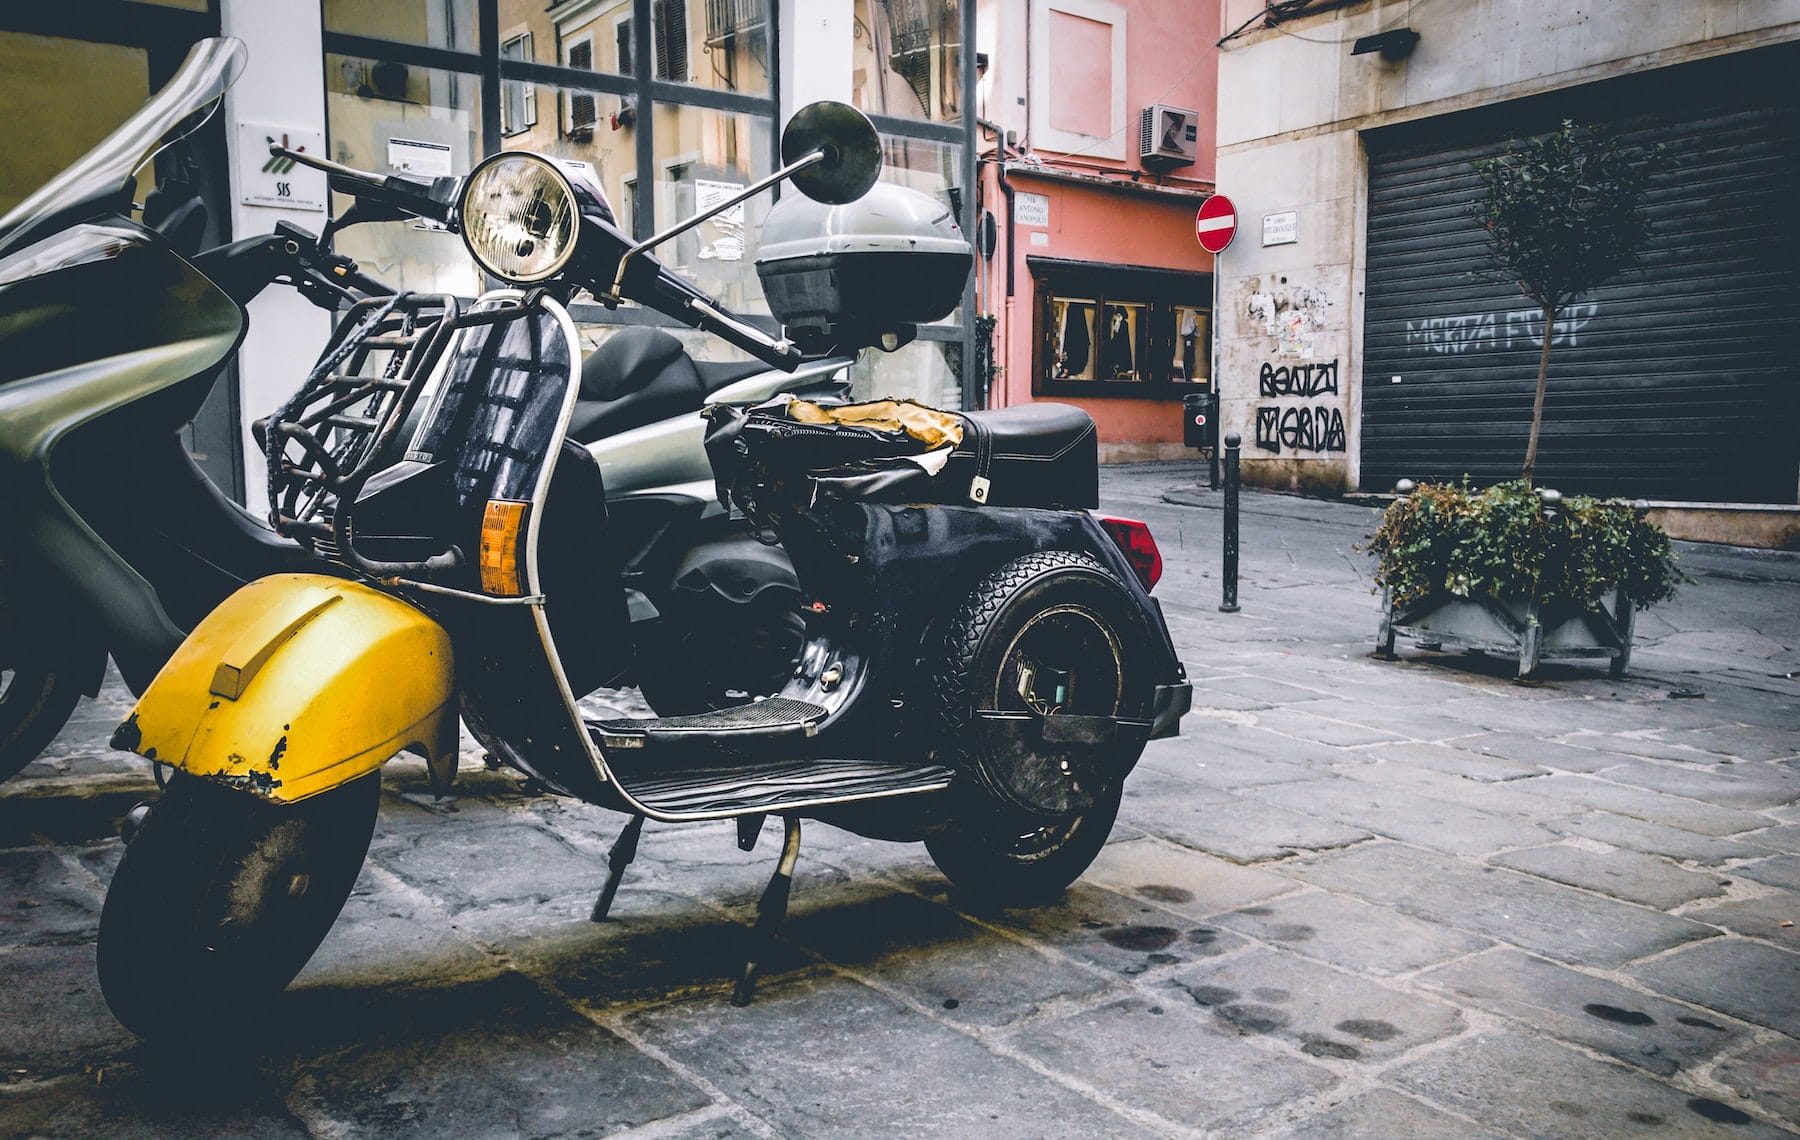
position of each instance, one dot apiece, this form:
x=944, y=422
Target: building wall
x=1061, y=96
x=1292, y=103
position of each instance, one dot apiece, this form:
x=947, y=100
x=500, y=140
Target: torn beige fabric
x=927, y=425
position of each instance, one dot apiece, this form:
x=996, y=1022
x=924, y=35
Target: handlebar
x=643, y=278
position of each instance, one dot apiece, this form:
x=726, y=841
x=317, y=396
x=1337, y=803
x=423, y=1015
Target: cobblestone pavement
x=1355, y=898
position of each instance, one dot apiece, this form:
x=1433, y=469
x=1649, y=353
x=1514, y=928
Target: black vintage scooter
x=982, y=667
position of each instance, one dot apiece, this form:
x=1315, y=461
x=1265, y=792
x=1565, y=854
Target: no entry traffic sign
x=1215, y=224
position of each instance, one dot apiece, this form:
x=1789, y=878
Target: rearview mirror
x=849, y=143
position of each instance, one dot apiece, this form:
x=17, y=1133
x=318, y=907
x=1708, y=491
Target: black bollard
x=1230, y=603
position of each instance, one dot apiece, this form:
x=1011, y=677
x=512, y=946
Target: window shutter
x=671, y=40
x=581, y=107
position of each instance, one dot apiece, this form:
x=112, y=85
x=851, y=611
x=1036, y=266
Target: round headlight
x=519, y=217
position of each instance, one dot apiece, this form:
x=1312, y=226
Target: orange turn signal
x=503, y=547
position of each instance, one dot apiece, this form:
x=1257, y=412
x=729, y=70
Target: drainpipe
x=1006, y=190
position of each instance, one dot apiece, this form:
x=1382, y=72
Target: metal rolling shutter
x=1678, y=381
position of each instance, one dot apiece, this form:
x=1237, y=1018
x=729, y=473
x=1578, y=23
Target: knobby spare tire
x=1051, y=633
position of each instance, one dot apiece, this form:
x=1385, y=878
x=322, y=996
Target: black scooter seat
x=1037, y=455
x=640, y=375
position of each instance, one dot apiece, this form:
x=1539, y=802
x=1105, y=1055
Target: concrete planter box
x=1514, y=628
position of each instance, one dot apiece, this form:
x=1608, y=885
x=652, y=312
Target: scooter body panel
x=297, y=684
x=84, y=342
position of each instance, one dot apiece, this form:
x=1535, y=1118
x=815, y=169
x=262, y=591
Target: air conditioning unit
x=1168, y=137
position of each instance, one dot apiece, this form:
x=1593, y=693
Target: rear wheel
x=1050, y=634
x=220, y=899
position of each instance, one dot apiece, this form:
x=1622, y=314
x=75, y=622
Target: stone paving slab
x=1129, y=937
x=1739, y=742
x=1785, y=839
x=1626, y=875
x=1528, y=749
x=1650, y=1033
x=124, y=1101
x=1230, y=756
x=1656, y=839
x=1781, y=871
x=1756, y=918
x=1767, y=1075
x=55, y=1017
x=1656, y=807
x=1748, y=980
x=918, y=950
x=1179, y=1066
x=1351, y=934
x=1323, y=1012
x=1559, y=922
x=1387, y=1114
x=43, y=899
x=1323, y=728
x=1653, y=747
x=1240, y=828
x=1186, y=882
x=1527, y=1086
x=1414, y=819
x=397, y=1064
x=1456, y=761
x=867, y=1082
x=1753, y=786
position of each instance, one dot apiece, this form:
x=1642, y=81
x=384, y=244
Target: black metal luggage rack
x=340, y=426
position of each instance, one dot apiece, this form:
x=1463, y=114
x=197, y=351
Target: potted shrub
x=1515, y=570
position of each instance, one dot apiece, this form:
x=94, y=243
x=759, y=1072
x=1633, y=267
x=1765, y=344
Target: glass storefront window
x=728, y=43
x=905, y=59
x=423, y=122
x=434, y=23
x=1120, y=333
x=594, y=127
x=704, y=156
x=60, y=98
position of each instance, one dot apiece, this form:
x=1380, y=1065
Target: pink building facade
x=1096, y=149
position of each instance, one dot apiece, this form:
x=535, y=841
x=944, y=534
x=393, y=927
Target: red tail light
x=1133, y=537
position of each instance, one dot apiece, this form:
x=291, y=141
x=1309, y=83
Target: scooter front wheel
x=220, y=899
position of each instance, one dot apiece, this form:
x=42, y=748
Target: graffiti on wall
x=1298, y=380
x=1480, y=332
x=1298, y=409
x=1299, y=428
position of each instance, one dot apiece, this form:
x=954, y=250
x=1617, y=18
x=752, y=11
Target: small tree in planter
x=1563, y=213
x=1520, y=571
x=1511, y=568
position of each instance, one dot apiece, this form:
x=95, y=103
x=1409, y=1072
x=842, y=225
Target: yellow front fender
x=299, y=683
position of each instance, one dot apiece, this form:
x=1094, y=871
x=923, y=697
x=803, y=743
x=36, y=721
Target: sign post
x=1214, y=226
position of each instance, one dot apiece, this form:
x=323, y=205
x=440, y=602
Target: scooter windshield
x=210, y=69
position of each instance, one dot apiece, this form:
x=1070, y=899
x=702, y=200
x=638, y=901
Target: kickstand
x=624, y=850
x=771, y=911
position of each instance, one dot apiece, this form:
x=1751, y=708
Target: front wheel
x=220, y=899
